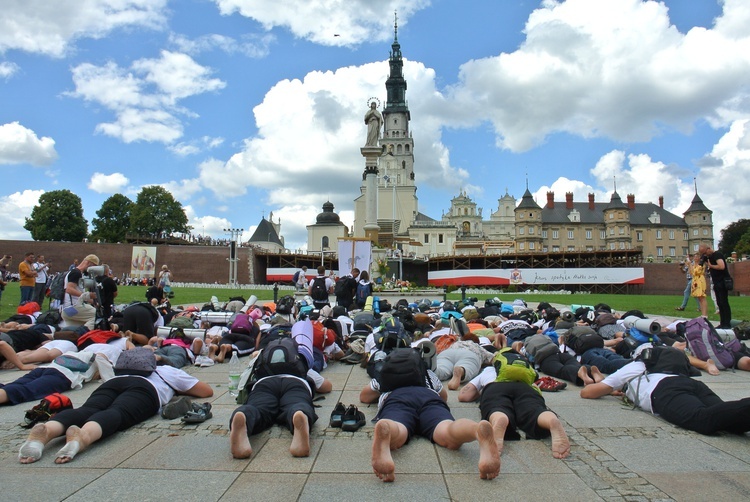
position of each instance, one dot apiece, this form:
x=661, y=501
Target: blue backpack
x=363, y=291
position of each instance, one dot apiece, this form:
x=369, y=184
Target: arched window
x=406, y=148
x=324, y=242
x=398, y=149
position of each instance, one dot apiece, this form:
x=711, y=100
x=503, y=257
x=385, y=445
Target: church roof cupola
x=396, y=84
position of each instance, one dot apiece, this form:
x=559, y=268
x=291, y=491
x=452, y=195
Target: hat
x=92, y=258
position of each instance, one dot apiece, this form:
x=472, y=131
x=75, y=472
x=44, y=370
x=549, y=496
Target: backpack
x=363, y=291
x=582, y=338
x=46, y=409
x=57, y=287
x=319, y=292
x=704, y=342
x=285, y=305
x=392, y=336
x=96, y=336
x=661, y=359
x=403, y=367
x=513, y=367
x=342, y=287
x=242, y=324
x=181, y=321
x=444, y=342
x=139, y=361
x=275, y=333
x=281, y=357
x=540, y=347
x=50, y=317
x=295, y=277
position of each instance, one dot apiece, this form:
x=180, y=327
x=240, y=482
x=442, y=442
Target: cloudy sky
x=243, y=107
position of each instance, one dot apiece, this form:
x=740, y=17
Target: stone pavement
x=616, y=454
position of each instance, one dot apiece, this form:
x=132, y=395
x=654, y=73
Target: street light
x=234, y=234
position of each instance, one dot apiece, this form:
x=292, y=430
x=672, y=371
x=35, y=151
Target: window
x=612, y=231
x=588, y=236
x=570, y=234
x=520, y=215
x=705, y=231
x=440, y=238
x=531, y=245
x=531, y=215
x=602, y=234
x=521, y=246
x=639, y=236
x=659, y=251
x=695, y=231
x=704, y=217
x=571, y=248
x=622, y=245
x=686, y=236
x=612, y=245
x=589, y=248
x=555, y=234
x=684, y=251
x=544, y=234
x=531, y=230
x=671, y=235
x=672, y=251
x=622, y=230
x=658, y=234
x=544, y=249
x=324, y=242
x=555, y=249
x=426, y=238
x=695, y=248
x=611, y=216
x=521, y=230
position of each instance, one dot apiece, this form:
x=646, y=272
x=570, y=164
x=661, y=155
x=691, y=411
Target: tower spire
x=614, y=183
x=695, y=183
x=395, y=26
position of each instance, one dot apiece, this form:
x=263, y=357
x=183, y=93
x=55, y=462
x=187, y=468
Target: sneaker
x=549, y=384
x=177, y=407
x=680, y=308
x=204, y=361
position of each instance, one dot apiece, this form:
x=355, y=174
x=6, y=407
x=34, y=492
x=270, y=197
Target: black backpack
x=50, y=317
x=343, y=287
x=582, y=338
x=281, y=357
x=403, y=367
x=661, y=359
x=275, y=333
x=57, y=286
x=319, y=292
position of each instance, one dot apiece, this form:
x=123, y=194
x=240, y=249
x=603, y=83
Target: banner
x=534, y=276
x=143, y=262
x=354, y=254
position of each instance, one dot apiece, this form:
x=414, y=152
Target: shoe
x=204, y=361
x=199, y=413
x=337, y=415
x=177, y=407
x=680, y=308
x=353, y=419
x=549, y=384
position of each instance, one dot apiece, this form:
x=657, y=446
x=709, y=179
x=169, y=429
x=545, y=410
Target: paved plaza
x=616, y=454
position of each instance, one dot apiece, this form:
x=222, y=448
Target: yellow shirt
x=27, y=279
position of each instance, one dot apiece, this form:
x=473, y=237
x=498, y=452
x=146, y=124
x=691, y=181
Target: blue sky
x=243, y=107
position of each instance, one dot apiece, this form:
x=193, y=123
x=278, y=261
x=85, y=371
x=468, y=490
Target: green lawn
x=650, y=304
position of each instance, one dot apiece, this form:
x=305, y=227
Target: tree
x=57, y=217
x=157, y=213
x=732, y=234
x=113, y=219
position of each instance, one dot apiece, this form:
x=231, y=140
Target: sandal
x=337, y=415
x=549, y=384
x=200, y=413
x=353, y=419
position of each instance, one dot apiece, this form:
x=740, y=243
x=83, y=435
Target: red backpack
x=95, y=336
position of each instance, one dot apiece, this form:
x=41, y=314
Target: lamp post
x=234, y=234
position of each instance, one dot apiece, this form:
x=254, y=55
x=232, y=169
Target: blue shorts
x=419, y=409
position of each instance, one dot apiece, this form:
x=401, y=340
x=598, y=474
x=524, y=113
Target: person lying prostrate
x=117, y=405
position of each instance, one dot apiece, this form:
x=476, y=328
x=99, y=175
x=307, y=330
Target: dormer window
x=654, y=218
x=574, y=216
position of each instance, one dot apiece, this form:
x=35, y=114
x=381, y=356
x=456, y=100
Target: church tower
x=397, y=192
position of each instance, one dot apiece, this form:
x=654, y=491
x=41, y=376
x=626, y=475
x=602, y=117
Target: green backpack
x=513, y=367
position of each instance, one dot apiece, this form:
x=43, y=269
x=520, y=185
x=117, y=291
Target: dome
x=328, y=216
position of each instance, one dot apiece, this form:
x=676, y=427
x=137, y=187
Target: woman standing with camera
x=698, y=288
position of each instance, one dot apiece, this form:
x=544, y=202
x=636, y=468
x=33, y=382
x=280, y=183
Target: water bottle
x=234, y=374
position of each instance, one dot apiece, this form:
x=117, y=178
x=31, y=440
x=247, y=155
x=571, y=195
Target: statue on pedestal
x=374, y=121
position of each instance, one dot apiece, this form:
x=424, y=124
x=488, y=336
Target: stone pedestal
x=371, y=155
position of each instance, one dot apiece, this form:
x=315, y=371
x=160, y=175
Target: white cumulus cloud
x=49, y=28
x=14, y=209
x=8, y=69
x=20, y=145
x=108, y=183
x=144, y=98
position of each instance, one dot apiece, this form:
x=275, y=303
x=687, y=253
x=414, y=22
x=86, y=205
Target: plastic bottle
x=234, y=374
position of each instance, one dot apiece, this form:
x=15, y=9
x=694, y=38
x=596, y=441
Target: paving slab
x=20, y=483
x=255, y=486
x=557, y=487
x=368, y=488
x=188, y=451
x=717, y=486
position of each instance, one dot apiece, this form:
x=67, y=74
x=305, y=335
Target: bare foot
x=583, y=375
x=223, y=353
x=711, y=368
x=76, y=440
x=560, y=443
x=597, y=375
x=32, y=449
x=458, y=375
x=300, y=446
x=239, y=443
x=489, y=457
x=499, y=423
x=382, y=461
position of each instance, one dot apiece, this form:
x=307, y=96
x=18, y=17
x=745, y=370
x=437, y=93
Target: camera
x=703, y=260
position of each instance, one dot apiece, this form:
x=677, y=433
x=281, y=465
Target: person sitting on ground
x=422, y=410
x=282, y=398
x=81, y=313
x=139, y=322
x=116, y=405
x=677, y=398
x=54, y=377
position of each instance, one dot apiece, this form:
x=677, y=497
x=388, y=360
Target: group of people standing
x=708, y=262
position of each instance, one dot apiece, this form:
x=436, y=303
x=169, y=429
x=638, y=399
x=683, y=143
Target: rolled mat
x=643, y=325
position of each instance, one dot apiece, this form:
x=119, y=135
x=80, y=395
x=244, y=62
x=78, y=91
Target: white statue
x=374, y=121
